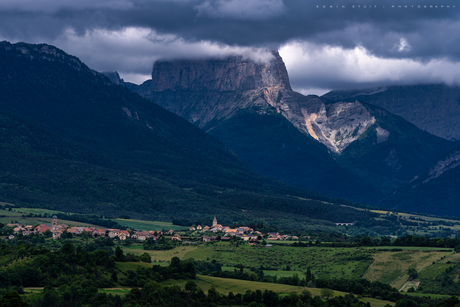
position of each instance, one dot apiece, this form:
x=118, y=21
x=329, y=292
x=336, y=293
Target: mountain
x=432, y=107
x=73, y=140
x=347, y=149
x=434, y=192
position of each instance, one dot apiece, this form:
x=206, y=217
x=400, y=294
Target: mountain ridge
x=333, y=165
x=432, y=107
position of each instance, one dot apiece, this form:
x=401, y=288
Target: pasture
x=391, y=266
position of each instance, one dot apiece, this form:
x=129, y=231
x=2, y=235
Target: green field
x=391, y=267
x=147, y=225
x=159, y=256
x=411, y=248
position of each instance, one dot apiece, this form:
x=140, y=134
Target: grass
x=227, y=285
x=391, y=267
x=126, y=266
x=410, y=248
x=435, y=296
x=375, y=302
x=324, y=262
x=157, y=255
x=147, y=225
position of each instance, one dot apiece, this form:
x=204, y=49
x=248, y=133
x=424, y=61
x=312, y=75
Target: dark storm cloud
x=252, y=22
x=129, y=34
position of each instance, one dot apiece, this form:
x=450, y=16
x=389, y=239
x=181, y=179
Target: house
x=249, y=238
x=205, y=228
x=225, y=239
x=199, y=227
x=206, y=239
x=56, y=234
x=192, y=228
x=99, y=233
x=11, y=237
x=73, y=230
x=344, y=224
x=240, y=230
x=171, y=232
x=18, y=229
x=231, y=232
x=42, y=228
x=176, y=237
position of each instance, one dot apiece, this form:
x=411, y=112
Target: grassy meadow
x=147, y=225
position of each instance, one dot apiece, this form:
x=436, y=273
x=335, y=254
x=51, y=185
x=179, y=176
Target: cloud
x=132, y=51
x=128, y=35
x=322, y=67
x=52, y=6
x=241, y=9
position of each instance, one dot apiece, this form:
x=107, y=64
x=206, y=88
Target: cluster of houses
x=226, y=233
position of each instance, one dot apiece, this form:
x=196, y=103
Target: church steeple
x=214, y=222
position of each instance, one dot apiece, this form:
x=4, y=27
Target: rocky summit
x=205, y=92
x=235, y=73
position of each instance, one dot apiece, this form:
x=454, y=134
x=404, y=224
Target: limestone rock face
x=335, y=125
x=449, y=162
x=235, y=73
x=206, y=92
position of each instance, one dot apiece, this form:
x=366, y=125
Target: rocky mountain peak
x=42, y=52
x=114, y=77
x=234, y=73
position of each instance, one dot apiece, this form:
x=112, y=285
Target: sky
x=326, y=44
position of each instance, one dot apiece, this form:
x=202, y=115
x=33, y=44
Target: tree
x=452, y=301
x=327, y=293
x=413, y=274
x=145, y=258
x=12, y=299
x=191, y=286
x=48, y=233
x=119, y=254
x=308, y=275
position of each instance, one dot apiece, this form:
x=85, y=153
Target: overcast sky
x=354, y=43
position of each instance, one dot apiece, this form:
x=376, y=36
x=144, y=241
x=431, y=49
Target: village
x=212, y=233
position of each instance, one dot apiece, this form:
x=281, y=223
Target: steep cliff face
x=334, y=125
x=208, y=91
x=235, y=73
